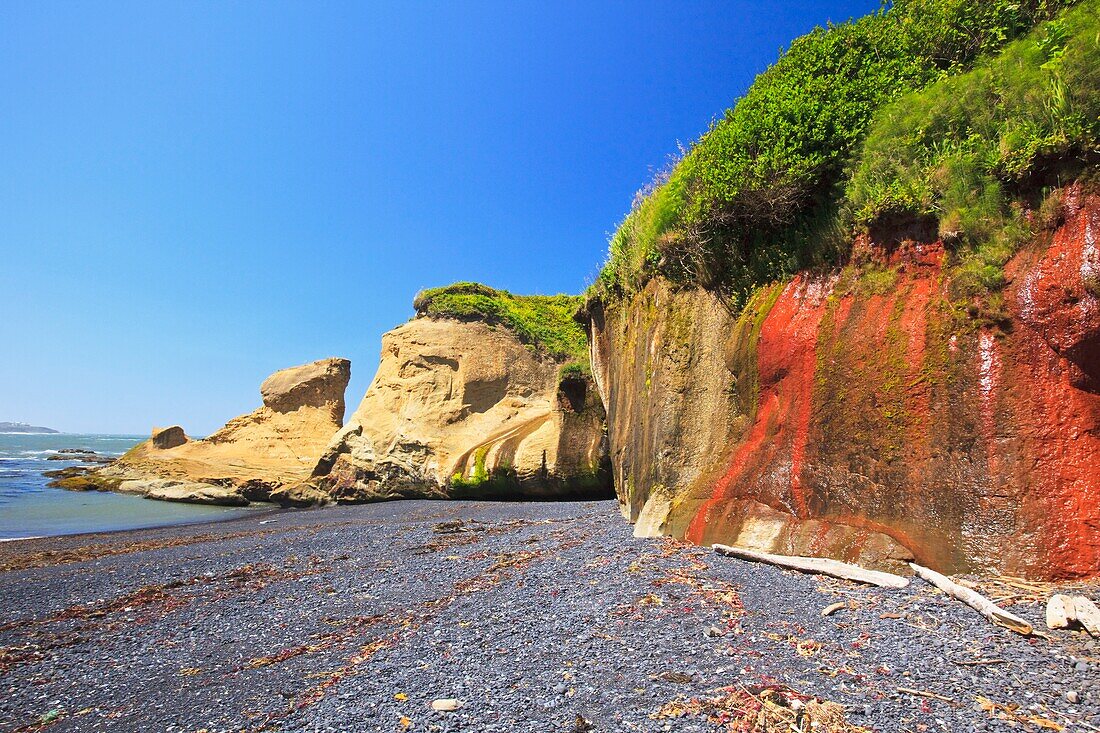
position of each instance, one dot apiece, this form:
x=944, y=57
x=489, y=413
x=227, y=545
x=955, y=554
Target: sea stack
x=483, y=394
x=251, y=456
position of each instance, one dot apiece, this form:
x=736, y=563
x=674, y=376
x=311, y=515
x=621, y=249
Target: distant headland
x=19, y=427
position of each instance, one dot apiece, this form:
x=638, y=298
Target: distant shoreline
x=22, y=428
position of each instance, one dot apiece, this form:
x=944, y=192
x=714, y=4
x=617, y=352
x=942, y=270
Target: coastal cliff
x=248, y=458
x=859, y=318
x=480, y=396
x=836, y=416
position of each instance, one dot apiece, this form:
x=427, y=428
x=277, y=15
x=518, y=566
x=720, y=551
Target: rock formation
x=834, y=416
x=249, y=457
x=165, y=438
x=464, y=408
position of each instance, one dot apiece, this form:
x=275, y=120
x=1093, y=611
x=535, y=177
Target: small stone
x=1072, y=697
x=713, y=632
x=446, y=704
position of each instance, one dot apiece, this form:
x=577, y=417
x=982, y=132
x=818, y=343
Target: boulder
x=320, y=384
x=165, y=438
x=191, y=492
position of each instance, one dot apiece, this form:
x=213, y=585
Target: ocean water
x=29, y=508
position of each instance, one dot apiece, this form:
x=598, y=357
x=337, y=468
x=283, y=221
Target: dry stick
x=925, y=693
x=821, y=565
x=976, y=662
x=975, y=600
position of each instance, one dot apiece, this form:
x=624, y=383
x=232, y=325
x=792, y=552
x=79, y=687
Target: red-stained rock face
x=864, y=416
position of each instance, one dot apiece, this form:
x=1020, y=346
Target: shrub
x=968, y=148
x=543, y=321
x=762, y=192
x=575, y=370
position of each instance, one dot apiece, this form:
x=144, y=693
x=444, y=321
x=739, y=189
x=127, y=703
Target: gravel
x=528, y=617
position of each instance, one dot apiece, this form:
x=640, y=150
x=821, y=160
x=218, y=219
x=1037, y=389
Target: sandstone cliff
x=462, y=407
x=249, y=457
x=862, y=415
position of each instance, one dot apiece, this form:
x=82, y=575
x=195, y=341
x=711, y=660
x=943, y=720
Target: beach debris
x=51, y=716
x=1065, y=611
x=975, y=600
x=453, y=527
x=1012, y=712
x=446, y=704
x=833, y=608
x=1060, y=612
x=1088, y=615
x=765, y=708
x=976, y=662
x=681, y=678
x=818, y=565
x=929, y=695
x=581, y=725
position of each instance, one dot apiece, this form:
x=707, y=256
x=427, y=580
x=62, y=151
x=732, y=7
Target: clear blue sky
x=195, y=194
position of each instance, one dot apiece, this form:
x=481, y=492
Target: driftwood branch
x=819, y=565
x=975, y=600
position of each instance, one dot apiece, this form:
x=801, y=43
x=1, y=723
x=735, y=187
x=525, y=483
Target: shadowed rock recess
x=832, y=417
x=479, y=396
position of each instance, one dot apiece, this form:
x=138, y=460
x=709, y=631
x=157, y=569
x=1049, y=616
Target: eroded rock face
x=252, y=455
x=164, y=438
x=833, y=417
x=320, y=384
x=464, y=409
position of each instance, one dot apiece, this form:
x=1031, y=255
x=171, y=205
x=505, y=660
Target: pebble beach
x=462, y=616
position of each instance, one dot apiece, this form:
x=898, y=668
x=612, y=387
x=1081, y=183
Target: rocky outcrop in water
x=247, y=459
x=865, y=420
x=463, y=408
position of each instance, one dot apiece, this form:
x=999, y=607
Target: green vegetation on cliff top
x=930, y=108
x=544, y=321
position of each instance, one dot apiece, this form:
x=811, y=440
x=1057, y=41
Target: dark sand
x=356, y=618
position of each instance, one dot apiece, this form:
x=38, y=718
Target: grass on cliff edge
x=974, y=151
x=543, y=321
x=763, y=193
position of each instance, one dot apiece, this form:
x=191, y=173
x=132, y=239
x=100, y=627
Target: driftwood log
x=818, y=565
x=975, y=600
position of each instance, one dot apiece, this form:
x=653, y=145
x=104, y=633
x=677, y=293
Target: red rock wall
x=882, y=417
